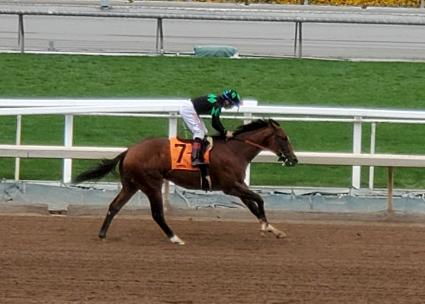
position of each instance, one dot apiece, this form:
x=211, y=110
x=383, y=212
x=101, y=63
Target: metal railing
x=299, y=15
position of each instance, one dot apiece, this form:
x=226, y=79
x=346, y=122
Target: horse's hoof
x=176, y=240
x=281, y=235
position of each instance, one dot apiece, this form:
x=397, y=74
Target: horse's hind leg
x=119, y=201
x=157, y=208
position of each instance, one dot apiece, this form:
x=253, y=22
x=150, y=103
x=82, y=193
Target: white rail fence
x=250, y=110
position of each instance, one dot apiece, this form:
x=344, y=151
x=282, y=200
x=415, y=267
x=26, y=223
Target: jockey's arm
x=216, y=122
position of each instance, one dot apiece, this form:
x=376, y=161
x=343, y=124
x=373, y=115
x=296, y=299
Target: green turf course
x=270, y=81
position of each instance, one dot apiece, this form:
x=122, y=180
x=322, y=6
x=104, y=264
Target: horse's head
x=267, y=134
x=278, y=141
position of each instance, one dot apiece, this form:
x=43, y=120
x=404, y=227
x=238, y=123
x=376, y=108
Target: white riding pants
x=192, y=120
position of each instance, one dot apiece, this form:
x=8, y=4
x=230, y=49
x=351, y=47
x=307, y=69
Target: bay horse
x=145, y=165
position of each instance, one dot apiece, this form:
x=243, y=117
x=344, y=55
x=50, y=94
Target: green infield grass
x=392, y=85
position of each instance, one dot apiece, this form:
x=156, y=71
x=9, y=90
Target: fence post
x=172, y=132
x=21, y=33
x=390, y=186
x=298, y=46
x=372, y=151
x=247, y=120
x=68, y=141
x=18, y=142
x=357, y=148
x=159, y=37
x=172, y=125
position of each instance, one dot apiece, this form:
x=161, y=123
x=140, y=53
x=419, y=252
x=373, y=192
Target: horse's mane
x=255, y=125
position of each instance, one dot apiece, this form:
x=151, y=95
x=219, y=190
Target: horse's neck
x=245, y=149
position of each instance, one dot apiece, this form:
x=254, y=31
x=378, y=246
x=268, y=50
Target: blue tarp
x=215, y=51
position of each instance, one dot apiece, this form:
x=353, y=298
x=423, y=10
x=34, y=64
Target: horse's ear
x=274, y=124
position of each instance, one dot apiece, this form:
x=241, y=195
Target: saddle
x=181, y=154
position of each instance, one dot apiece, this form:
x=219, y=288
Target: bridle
x=281, y=155
x=285, y=159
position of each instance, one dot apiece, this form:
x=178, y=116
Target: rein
x=282, y=157
x=247, y=141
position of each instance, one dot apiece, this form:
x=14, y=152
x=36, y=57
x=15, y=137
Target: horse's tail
x=105, y=167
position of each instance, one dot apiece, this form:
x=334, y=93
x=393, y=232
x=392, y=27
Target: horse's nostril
x=291, y=162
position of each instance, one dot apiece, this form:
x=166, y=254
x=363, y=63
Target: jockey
x=209, y=104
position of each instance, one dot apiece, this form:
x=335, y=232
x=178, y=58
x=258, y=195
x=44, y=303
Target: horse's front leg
x=264, y=224
x=266, y=227
x=255, y=204
x=157, y=209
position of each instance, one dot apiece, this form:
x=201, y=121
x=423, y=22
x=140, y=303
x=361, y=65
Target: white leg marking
x=176, y=240
x=265, y=227
x=279, y=234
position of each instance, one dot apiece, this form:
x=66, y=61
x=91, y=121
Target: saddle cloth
x=181, y=154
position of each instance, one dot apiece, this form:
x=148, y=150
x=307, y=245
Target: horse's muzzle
x=288, y=161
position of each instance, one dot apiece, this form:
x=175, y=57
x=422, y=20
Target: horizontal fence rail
x=82, y=106
x=311, y=158
x=306, y=158
x=263, y=13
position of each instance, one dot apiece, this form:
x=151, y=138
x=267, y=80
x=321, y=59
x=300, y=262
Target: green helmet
x=232, y=96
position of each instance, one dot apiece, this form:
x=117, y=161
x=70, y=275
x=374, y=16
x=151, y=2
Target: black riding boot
x=205, y=178
x=197, y=157
x=198, y=148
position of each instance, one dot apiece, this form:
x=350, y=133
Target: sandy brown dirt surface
x=59, y=259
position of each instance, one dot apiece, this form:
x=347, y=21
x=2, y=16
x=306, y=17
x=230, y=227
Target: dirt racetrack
x=59, y=259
